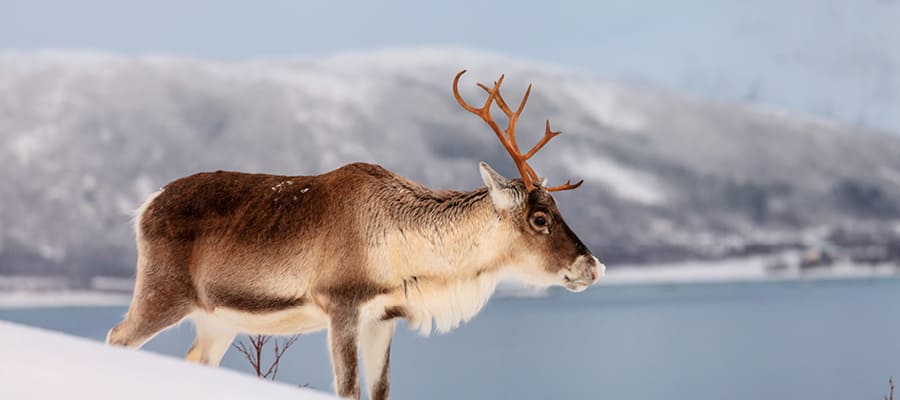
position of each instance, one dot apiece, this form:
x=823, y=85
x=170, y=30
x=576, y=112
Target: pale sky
x=830, y=59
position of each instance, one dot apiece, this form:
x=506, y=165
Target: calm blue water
x=823, y=340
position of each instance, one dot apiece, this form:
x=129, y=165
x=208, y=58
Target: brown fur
x=393, y=312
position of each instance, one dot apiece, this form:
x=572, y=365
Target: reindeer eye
x=539, y=221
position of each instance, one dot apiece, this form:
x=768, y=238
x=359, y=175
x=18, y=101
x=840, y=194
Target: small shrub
x=254, y=353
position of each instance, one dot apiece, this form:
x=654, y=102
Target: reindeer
x=350, y=251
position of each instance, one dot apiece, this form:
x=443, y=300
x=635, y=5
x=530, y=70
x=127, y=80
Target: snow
x=40, y=364
x=750, y=269
x=68, y=298
x=605, y=102
x=625, y=182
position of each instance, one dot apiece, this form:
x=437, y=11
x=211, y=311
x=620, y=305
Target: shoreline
x=751, y=270
x=741, y=271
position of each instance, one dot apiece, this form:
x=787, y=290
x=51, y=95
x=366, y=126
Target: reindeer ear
x=503, y=194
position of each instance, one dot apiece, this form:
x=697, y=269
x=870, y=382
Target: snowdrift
x=40, y=364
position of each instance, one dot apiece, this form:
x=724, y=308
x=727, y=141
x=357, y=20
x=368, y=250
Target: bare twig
x=891, y=396
x=253, y=353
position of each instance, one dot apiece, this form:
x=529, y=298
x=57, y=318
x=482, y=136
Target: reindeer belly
x=266, y=306
x=301, y=319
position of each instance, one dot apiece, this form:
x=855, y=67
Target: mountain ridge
x=88, y=135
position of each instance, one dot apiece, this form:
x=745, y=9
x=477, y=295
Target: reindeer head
x=544, y=251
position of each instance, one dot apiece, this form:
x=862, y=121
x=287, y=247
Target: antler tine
x=548, y=134
x=566, y=186
x=532, y=174
x=485, y=109
x=513, y=116
x=502, y=103
x=498, y=98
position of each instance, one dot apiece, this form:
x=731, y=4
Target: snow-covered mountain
x=85, y=136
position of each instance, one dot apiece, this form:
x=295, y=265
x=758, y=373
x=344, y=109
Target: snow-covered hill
x=40, y=364
x=85, y=136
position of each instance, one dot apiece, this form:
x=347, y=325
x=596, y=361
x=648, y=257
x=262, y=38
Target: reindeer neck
x=446, y=235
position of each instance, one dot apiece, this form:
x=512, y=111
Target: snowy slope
x=40, y=364
x=84, y=137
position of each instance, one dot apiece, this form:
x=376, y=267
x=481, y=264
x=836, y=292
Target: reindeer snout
x=585, y=272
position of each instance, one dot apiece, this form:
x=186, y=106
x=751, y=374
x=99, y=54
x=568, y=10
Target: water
x=802, y=340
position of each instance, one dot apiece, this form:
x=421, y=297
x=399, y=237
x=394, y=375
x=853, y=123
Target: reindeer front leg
x=375, y=343
x=342, y=338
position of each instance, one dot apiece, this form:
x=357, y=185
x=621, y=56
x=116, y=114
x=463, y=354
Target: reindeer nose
x=598, y=271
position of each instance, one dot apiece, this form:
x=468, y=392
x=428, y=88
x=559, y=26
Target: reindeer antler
x=508, y=137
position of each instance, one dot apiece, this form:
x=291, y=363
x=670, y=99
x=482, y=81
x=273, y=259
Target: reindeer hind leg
x=143, y=322
x=163, y=296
